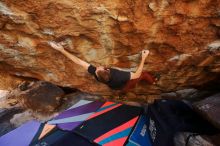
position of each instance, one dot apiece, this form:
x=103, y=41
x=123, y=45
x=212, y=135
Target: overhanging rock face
x=182, y=36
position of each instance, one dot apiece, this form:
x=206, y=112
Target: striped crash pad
x=110, y=125
x=33, y=131
x=62, y=138
x=76, y=114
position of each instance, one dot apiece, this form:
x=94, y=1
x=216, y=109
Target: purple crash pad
x=75, y=115
x=21, y=136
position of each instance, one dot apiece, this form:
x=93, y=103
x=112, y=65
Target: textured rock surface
x=183, y=37
x=210, y=109
x=39, y=96
x=5, y=115
x=180, y=140
x=8, y=82
x=3, y=93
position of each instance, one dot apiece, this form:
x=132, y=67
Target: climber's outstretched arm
x=75, y=59
x=138, y=72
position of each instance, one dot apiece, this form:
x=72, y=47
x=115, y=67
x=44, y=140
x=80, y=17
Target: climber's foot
x=156, y=78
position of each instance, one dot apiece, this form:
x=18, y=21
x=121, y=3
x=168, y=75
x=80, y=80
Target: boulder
x=3, y=93
x=8, y=82
x=5, y=115
x=28, y=115
x=194, y=140
x=182, y=36
x=39, y=96
x=209, y=108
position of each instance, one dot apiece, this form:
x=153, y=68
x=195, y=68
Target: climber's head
x=103, y=74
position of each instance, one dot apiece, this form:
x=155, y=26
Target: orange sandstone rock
x=182, y=36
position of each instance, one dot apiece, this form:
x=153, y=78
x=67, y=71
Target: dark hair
x=103, y=75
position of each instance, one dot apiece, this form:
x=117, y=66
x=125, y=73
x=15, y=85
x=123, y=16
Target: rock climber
x=116, y=79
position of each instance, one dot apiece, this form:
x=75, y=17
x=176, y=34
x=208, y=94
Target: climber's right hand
x=56, y=46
